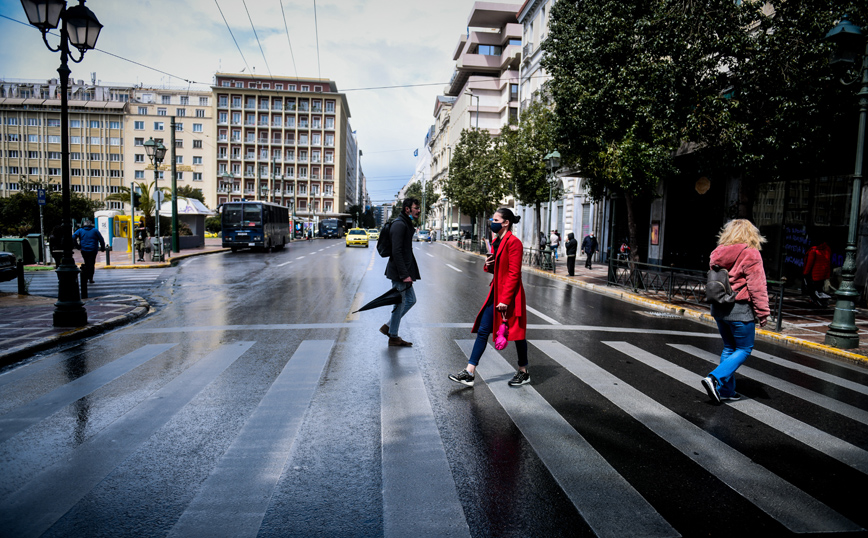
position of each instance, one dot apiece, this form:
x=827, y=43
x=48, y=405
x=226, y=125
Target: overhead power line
x=316, y=30
x=285, y=27
x=267, y=68
x=233, y=37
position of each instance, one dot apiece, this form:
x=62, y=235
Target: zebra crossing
x=421, y=493
x=106, y=282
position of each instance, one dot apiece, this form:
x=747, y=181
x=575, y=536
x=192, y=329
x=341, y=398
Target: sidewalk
x=804, y=327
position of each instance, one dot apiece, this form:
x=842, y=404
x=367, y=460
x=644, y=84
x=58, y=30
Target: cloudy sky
x=363, y=44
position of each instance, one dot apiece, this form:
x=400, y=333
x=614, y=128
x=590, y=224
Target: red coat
x=507, y=289
x=818, y=265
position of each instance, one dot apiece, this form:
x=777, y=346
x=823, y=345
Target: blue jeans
x=486, y=325
x=738, y=337
x=406, y=289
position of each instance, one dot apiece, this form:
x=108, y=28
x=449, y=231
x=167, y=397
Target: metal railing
x=677, y=285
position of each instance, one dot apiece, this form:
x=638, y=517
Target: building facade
x=284, y=140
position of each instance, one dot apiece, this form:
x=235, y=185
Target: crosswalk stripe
x=35, y=507
x=607, y=502
x=826, y=402
x=230, y=503
x=29, y=414
x=813, y=372
x=539, y=314
x=828, y=444
x=413, y=456
x=789, y=505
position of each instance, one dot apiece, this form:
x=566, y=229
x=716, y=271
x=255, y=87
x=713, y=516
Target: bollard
x=108, y=255
x=780, y=305
x=22, y=286
x=83, y=282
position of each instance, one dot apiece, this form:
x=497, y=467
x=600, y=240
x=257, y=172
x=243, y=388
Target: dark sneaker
x=397, y=341
x=734, y=397
x=710, y=386
x=520, y=378
x=385, y=330
x=463, y=377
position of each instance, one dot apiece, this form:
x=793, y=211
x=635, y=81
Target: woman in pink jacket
x=738, y=249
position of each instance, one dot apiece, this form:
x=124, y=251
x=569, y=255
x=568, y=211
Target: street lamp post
x=843, y=332
x=156, y=152
x=80, y=28
x=553, y=162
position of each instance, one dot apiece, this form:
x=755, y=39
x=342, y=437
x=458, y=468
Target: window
x=489, y=50
x=329, y=140
x=179, y=159
x=139, y=125
x=114, y=125
x=158, y=126
x=11, y=121
x=77, y=188
x=197, y=176
x=278, y=86
x=32, y=154
x=54, y=171
x=75, y=156
x=33, y=171
x=75, y=140
x=52, y=123
x=12, y=170
x=161, y=112
x=203, y=101
x=179, y=126
x=94, y=156
x=33, y=138
x=197, y=160
x=236, y=101
x=139, y=158
x=95, y=172
x=114, y=173
x=139, y=142
x=52, y=139
x=185, y=100
x=197, y=144
x=180, y=112
x=114, y=141
x=95, y=124
x=75, y=124
x=116, y=157
x=95, y=141
x=513, y=92
x=225, y=83
x=13, y=138
x=200, y=112
x=143, y=111
x=51, y=155
x=33, y=122
x=197, y=127
x=330, y=106
x=166, y=99
x=140, y=174
x=305, y=88
x=291, y=87
x=330, y=123
x=222, y=118
x=179, y=176
x=179, y=143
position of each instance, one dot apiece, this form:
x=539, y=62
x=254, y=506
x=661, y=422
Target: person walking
x=90, y=242
x=555, y=242
x=401, y=268
x=141, y=240
x=572, y=247
x=505, y=301
x=738, y=252
x=818, y=269
x=589, y=247
x=55, y=244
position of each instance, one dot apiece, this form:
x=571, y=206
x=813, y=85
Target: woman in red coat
x=505, y=300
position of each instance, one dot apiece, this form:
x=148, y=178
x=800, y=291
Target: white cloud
x=362, y=44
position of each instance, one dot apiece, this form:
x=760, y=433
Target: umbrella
x=391, y=297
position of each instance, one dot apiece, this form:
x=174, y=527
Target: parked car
x=373, y=234
x=8, y=266
x=422, y=235
x=357, y=236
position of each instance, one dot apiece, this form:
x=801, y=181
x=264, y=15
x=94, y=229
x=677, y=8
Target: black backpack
x=718, y=290
x=384, y=242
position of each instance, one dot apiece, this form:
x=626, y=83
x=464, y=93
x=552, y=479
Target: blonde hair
x=740, y=231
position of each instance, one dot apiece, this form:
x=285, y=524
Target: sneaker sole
x=465, y=383
x=709, y=388
x=525, y=382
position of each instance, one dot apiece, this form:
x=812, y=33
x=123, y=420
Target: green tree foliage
x=357, y=212
x=522, y=149
x=188, y=191
x=19, y=213
x=476, y=180
x=213, y=224
x=425, y=202
x=147, y=205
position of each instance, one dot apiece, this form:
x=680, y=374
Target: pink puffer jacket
x=746, y=274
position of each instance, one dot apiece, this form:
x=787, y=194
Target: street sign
x=40, y=196
x=158, y=196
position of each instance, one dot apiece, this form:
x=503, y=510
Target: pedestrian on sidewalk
x=141, y=240
x=505, y=300
x=90, y=242
x=55, y=244
x=818, y=269
x=555, y=241
x=589, y=247
x=738, y=252
x=572, y=247
x=401, y=268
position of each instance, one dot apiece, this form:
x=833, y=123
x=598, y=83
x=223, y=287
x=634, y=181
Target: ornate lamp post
x=843, y=332
x=553, y=162
x=156, y=152
x=80, y=28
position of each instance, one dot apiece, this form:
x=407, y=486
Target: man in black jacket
x=572, y=247
x=589, y=247
x=402, y=269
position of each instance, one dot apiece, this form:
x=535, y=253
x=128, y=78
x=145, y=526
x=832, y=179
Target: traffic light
x=137, y=198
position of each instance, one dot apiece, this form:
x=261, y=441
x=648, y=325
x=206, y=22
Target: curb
x=171, y=263
x=22, y=352
x=702, y=317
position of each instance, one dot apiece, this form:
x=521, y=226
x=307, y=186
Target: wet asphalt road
x=253, y=403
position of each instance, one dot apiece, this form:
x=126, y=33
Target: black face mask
x=496, y=226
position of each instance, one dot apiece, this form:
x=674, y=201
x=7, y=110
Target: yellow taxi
x=357, y=236
x=373, y=234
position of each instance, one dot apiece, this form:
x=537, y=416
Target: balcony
x=262, y=141
x=250, y=157
x=222, y=138
x=249, y=106
x=236, y=139
x=527, y=50
x=236, y=104
x=223, y=104
x=249, y=191
x=317, y=109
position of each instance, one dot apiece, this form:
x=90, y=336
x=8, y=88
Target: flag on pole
x=416, y=152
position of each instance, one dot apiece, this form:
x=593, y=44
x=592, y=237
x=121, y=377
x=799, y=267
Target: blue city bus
x=331, y=228
x=255, y=225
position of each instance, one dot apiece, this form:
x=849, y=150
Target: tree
x=187, y=191
x=357, y=212
x=522, y=149
x=19, y=213
x=147, y=205
x=426, y=201
x=476, y=181
x=625, y=77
